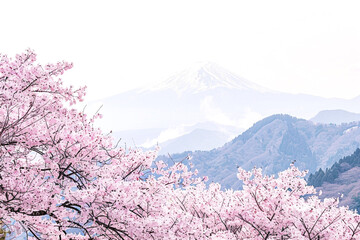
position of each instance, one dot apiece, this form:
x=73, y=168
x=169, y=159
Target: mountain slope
x=272, y=144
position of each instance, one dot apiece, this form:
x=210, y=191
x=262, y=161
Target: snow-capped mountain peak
x=205, y=76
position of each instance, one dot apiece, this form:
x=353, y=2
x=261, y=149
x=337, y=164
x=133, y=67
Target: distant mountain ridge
x=272, y=144
x=335, y=117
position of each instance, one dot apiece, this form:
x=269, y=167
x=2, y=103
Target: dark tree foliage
x=319, y=177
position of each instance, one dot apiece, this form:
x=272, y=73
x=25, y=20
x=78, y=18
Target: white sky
x=293, y=46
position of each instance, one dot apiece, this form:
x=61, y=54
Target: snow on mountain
x=204, y=76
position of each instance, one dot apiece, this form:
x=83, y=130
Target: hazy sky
x=293, y=46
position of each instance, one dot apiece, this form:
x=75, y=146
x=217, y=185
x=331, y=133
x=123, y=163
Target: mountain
x=272, y=144
x=206, y=93
x=342, y=178
x=336, y=117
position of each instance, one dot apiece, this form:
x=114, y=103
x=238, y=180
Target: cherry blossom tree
x=62, y=178
x=59, y=173
x=270, y=208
